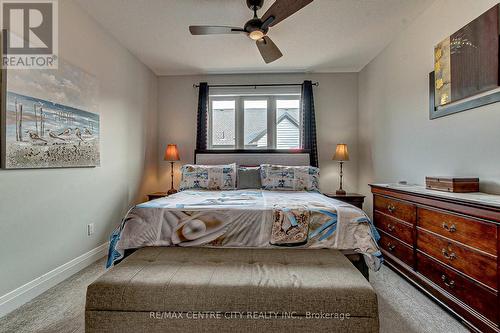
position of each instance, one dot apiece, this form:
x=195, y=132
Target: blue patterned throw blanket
x=243, y=218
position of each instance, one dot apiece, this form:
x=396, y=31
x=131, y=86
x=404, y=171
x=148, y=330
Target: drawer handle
x=391, y=208
x=448, y=253
x=451, y=228
x=449, y=284
x=390, y=227
x=391, y=247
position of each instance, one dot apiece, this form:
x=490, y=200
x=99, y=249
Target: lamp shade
x=341, y=153
x=171, y=153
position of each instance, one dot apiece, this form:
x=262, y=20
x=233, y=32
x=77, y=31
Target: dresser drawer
x=460, y=286
x=480, y=267
x=396, y=248
x=480, y=235
x=394, y=228
x=395, y=208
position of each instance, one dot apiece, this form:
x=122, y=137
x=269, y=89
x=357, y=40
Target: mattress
x=247, y=219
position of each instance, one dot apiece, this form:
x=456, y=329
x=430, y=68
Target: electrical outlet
x=90, y=229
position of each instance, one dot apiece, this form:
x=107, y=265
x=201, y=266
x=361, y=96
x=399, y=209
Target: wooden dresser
x=445, y=243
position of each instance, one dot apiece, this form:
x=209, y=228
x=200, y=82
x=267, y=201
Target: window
x=245, y=121
x=255, y=123
x=223, y=124
x=287, y=123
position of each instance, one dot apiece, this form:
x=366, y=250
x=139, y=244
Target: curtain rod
x=316, y=84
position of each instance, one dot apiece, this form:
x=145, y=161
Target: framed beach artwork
x=49, y=118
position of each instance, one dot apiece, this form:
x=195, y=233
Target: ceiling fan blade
x=213, y=30
x=280, y=10
x=268, y=50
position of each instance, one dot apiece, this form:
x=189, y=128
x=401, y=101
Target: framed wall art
x=49, y=118
x=466, y=67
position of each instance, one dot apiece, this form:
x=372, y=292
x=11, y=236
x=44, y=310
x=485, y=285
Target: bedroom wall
x=336, y=119
x=397, y=140
x=44, y=213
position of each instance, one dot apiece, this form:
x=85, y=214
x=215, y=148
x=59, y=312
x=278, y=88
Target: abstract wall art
x=466, y=64
x=50, y=118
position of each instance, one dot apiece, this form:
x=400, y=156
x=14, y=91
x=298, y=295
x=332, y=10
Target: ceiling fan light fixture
x=256, y=34
x=257, y=28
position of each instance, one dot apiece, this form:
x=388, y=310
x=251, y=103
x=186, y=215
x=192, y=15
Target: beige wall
x=44, y=213
x=336, y=118
x=396, y=138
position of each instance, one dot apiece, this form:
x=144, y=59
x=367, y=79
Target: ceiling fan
x=257, y=28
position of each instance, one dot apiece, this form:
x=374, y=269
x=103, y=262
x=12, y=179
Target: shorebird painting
x=52, y=128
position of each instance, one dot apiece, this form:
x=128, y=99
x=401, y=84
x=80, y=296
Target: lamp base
x=172, y=191
x=340, y=192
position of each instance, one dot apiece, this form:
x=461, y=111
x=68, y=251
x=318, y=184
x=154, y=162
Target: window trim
x=239, y=125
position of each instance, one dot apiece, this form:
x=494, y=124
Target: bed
x=250, y=218
x=239, y=260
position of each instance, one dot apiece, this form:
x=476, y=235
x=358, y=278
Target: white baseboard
x=30, y=290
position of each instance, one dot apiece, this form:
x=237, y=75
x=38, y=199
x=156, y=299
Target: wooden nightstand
x=351, y=198
x=156, y=195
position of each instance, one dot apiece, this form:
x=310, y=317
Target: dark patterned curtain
x=309, y=121
x=201, y=130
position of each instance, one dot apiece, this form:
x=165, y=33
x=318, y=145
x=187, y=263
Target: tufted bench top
x=243, y=280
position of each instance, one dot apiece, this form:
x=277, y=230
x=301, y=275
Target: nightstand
x=351, y=198
x=156, y=195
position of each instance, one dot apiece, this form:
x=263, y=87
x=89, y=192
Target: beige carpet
x=402, y=307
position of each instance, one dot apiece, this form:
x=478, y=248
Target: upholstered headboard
x=251, y=157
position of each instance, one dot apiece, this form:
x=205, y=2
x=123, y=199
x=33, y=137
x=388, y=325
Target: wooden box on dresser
x=445, y=243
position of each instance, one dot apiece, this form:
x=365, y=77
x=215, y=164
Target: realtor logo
x=29, y=39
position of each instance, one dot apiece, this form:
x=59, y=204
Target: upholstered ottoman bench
x=174, y=289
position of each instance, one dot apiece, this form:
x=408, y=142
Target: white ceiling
x=325, y=36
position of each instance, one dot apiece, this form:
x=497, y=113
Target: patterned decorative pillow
x=289, y=178
x=208, y=177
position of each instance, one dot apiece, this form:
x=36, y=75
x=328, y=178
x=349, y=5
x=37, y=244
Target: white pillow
x=289, y=178
x=208, y=177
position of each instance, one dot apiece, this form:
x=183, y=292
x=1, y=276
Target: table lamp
x=171, y=155
x=341, y=155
